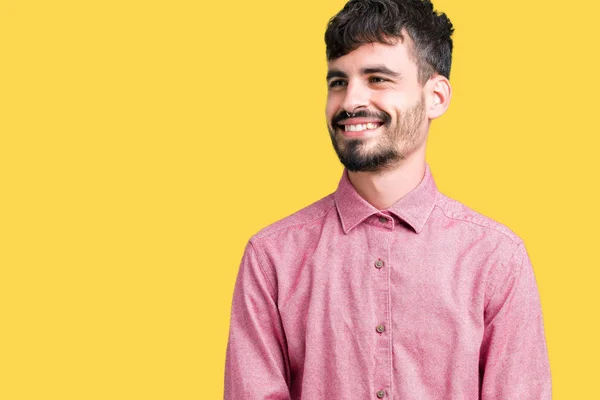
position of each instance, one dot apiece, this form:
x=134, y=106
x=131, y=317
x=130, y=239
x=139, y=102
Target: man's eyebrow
x=375, y=69
x=336, y=73
x=379, y=69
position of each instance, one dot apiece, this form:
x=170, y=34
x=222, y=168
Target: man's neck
x=383, y=189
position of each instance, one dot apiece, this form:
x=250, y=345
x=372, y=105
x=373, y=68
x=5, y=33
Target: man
x=386, y=288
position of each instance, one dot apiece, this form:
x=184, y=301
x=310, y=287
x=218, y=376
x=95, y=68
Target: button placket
x=381, y=282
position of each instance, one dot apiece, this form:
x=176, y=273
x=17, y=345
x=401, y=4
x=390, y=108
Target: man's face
x=378, y=84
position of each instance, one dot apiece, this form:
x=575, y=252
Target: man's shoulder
x=302, y=218
x=458, y=211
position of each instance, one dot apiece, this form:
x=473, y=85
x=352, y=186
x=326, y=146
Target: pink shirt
x=425, y=300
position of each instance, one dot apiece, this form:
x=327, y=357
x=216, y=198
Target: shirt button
x=378, y=264
x=383, y=220
x=381, y=394
x=380, y=328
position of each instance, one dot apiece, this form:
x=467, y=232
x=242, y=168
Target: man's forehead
x=394, y=56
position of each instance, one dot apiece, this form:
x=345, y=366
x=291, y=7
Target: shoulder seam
x=325, y=212
x=457, y=217
x=493, y=285
x=260, y=266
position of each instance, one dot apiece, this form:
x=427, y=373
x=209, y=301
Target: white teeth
x=360, y=127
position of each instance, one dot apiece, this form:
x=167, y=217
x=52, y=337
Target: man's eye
x=336, y=83
x=376, y=79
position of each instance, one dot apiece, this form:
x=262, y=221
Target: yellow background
x=142, y=143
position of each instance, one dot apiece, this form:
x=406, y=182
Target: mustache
x=382, y=116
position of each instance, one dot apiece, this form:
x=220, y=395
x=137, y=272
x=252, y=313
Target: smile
x=361, y=127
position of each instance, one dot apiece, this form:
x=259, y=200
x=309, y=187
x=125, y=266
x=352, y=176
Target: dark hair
x=382, y=21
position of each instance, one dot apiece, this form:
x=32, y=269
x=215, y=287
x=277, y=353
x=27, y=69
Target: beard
x=392, y=144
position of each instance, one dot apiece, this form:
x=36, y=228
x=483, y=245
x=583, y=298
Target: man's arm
x=256, y=364
x=514, y=358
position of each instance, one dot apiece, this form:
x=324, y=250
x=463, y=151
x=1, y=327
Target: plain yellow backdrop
x=142, y=143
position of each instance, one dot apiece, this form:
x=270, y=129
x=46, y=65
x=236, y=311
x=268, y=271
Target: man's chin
x=356, y=158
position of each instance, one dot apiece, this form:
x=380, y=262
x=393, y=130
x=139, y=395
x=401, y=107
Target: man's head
x=389, y=63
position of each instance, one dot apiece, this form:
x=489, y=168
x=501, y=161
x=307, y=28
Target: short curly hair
x=383, y=21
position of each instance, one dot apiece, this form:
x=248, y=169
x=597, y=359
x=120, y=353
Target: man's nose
x=357, y=96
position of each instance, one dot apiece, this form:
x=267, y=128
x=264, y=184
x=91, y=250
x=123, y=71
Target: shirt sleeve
x=514, y=358
x=256, y=365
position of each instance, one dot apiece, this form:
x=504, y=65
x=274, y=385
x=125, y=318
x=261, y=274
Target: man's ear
x=438, y=92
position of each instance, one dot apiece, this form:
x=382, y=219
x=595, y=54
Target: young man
x=386, y=288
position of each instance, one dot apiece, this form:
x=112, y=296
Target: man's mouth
x=361, y=127
x=358, y=126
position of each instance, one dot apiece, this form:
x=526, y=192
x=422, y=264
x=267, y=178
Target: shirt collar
x=414, y=208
